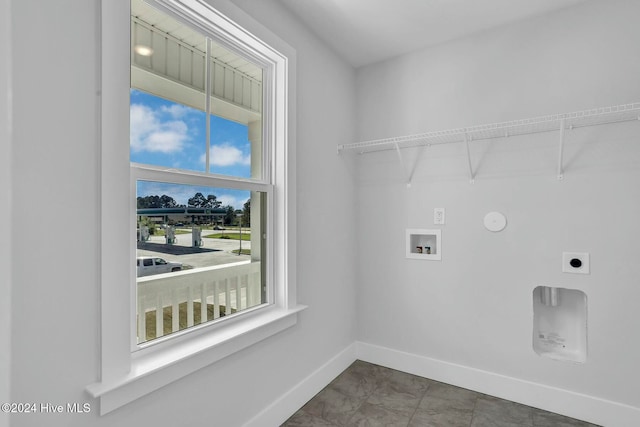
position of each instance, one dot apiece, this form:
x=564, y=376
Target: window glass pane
x=202, y=250
x=230, y=148
x=165, y=133
x=236, y=120
x=174, y=123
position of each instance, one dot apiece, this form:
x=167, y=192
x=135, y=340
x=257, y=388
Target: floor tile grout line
x=418, y=406
x=473, y=411
x=363, y=401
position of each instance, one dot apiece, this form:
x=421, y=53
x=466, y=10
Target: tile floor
x=371, y=395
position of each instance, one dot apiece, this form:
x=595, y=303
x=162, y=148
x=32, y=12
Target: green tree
x=168, y=202
x=200, y=201
x=149, y=202
x=149, y=224
x=229, y=215
x=246, y=213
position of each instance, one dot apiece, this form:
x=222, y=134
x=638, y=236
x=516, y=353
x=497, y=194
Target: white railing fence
x=196, y=296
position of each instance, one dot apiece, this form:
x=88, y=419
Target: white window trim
x=126, y=375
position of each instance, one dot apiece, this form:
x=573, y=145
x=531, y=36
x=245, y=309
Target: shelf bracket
x=561, y=149
x=402, y=164
x=415, y=163
x=472, y=178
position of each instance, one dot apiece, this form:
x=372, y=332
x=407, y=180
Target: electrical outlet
x=438, y=216
x=575, y=262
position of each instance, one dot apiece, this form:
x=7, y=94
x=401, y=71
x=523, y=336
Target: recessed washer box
x=575, y=262
x=560, y=323
x=424, y=244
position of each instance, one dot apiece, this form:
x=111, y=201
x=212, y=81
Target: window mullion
x=207, y=102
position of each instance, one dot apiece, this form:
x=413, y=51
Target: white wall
x=5, y=213
x=55, y=302
x=474, y=308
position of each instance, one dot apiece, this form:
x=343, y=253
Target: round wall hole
x=575, y=263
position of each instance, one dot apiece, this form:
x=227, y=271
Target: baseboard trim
x=588, y=408
x=285, y=406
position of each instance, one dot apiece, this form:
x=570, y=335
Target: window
x=196, y=118
x=208, y=167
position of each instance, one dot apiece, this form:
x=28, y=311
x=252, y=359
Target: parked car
x=147, y=266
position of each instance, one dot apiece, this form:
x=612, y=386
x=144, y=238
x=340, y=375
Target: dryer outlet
x=575, y=262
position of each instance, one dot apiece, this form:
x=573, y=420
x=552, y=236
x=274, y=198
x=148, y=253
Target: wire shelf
x=593, y=117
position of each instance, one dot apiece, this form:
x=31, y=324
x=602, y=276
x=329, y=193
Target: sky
x=164, y=133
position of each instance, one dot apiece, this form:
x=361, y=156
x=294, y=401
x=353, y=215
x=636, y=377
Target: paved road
x=213, y=252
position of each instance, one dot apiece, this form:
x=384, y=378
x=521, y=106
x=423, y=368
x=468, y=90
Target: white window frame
x=126, y=373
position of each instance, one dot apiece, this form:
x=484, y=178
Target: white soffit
x=367, y=31
x=144, y=12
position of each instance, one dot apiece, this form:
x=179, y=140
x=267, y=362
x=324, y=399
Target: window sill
x=151, y=370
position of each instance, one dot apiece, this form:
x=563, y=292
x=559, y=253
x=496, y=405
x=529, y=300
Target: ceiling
x=363, y=32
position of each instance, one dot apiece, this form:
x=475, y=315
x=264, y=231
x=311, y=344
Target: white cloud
x=150, y=133
x=228, y=155
x=229, y=200
x=176, y=111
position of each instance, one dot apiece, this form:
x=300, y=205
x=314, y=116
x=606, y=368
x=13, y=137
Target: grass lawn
x=244, y=251
x=231, y=236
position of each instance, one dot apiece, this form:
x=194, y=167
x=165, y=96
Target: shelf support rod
x=561, y=149
x=395, y=143
x=415, y=164
x=472, y=178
